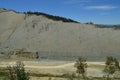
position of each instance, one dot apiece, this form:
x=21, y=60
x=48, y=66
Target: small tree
x=81, y=66
x=17, y=72
x=111, y=65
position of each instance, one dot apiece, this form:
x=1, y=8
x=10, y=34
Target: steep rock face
x=9, y=21
x=56, y=38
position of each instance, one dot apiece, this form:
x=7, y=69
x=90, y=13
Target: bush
x=17, y=72
x=81, y=66
x=111, y=66
x=55, y=18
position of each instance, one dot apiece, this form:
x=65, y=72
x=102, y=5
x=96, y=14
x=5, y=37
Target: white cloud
x=103, y=7
x=76, y=1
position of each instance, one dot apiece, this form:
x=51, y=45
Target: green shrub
x=17, y=72
x=81, y=67
x=55, y=18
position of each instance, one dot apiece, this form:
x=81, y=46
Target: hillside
x=56, y=39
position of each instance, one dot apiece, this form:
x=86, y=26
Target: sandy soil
x=47, y=78
x=57, y=67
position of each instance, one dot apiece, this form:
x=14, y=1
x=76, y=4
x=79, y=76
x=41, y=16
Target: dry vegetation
x=56, y=70
x=18, y=54
x=55, y=18
x=115, y=27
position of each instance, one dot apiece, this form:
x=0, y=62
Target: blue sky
x=97, y=11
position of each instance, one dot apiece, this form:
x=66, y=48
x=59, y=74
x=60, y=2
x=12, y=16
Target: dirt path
x=46, y=67
x=56, y=67
x=52, y=65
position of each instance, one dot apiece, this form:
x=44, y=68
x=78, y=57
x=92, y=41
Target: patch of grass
x=3, y=73
x=67, y=75
x=51, y=75
x=41, y=75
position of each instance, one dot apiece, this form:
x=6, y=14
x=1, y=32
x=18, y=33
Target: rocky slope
x=56, y=39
